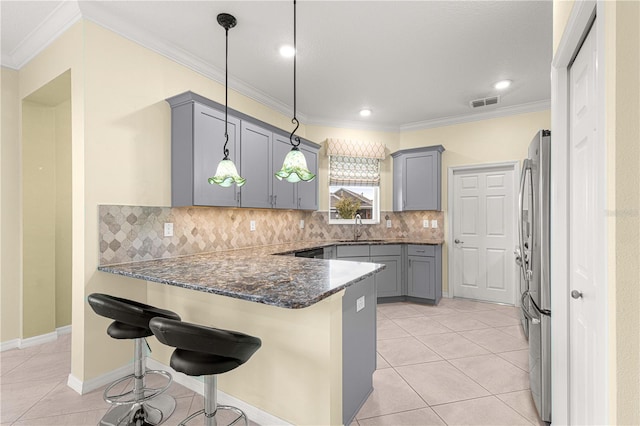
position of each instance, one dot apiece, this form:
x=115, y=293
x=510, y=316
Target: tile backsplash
x=134, y=233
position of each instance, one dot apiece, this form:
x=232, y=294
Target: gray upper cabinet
x=284, y=193
x=417, y=181
x=255, y=163
x=257, y=149
x=308, y=191
x=197, y=134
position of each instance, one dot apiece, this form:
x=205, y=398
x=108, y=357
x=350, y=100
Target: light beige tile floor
x=34, y=391
x=458, y=363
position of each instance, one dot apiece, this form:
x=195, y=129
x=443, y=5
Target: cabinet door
x=284, y=193
x=208, y=142
x=422, y=277
x=420, y=182
x=308, y=191
x=255, y=165
x=388, y=281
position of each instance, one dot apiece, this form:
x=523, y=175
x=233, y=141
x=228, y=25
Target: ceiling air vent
x=478, y=103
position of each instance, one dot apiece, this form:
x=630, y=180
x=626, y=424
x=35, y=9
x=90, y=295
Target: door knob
x=457, y=241
x=576, y=294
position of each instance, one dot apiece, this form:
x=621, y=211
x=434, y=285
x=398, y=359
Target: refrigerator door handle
x=525, y=311
x=524, y=264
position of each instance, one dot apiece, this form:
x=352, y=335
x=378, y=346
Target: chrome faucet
x=357, y=228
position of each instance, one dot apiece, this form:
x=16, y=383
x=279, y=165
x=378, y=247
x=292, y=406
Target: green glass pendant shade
x=295, y=168
x=226, y=175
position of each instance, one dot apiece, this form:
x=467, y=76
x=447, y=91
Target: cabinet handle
x=271, y=200
x=404, y=203
x=409, y=263
x=275, y=200
x=420, y=251
x=299, y=201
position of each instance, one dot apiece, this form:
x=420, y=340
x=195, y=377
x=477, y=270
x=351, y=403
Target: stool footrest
x=147, y=393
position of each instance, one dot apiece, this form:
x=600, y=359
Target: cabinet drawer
x=419, y=250
x=386, y=250
x=351, y=251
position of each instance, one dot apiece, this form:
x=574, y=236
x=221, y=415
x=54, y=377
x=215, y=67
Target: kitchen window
x=354, y=180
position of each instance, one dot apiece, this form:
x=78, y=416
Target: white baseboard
x=83, y=387
x=9, y=344
x=36, y=340
x=196, y=384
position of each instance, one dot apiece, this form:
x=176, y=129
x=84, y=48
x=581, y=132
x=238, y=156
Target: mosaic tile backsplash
x=134, y=233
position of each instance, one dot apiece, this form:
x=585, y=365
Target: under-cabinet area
x=256, y=148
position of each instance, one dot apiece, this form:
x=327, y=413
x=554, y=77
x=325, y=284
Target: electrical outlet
x=360, y=304
x=434, y=223
x=252, y=225
x=388, y=223
x=425, y=223
x=168, y=229
x=301, y=223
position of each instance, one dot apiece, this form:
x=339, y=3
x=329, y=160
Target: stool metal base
x=211, y=419
x=150, y=413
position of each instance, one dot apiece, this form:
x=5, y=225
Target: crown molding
x=58, y=21
x=467, y=118
x=69, y=12
x=100, y=16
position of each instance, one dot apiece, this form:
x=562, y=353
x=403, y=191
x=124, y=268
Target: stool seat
x=205, y=351
x=131, y=317
x=140, y=405
x=201, y=350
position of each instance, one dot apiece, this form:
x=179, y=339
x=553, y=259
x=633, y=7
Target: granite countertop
x=255, y=275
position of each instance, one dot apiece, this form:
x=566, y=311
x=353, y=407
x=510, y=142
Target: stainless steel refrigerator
x=533, y=258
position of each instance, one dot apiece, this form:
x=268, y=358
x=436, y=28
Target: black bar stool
x=140, y=405
x=205, y=351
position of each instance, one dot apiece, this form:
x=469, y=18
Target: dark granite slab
x=254, y=274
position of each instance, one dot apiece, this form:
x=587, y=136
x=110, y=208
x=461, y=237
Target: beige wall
x=63, y=262
x=624, y=146
x=38, y=218
x=561, y=12
x=479, y=142
x=10, y=249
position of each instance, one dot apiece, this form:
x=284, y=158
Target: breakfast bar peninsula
x=316, y=319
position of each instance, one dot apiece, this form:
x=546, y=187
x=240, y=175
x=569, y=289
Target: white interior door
x=587, y=316
x=483, y=222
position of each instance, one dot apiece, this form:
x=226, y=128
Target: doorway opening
x=46, y=209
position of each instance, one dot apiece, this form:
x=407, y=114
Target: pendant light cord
x=294, y=120
x=226, y=92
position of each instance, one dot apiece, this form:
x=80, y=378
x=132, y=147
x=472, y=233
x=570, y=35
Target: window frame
x=375, y=206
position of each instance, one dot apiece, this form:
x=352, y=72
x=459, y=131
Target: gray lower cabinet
x=424, y=278
x=358, y=346
x=412, y=271
x=417, y=181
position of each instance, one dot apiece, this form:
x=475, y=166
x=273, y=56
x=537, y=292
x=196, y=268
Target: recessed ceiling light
x=287, y=51
x=502, y=84
x=365, y=112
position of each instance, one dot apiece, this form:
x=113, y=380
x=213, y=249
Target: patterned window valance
x=354, y=171
x=354, y=148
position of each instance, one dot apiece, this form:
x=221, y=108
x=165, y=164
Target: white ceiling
x=415, y=63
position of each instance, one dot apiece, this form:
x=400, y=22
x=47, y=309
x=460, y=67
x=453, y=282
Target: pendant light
x=226, y=173
x=294, y=169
